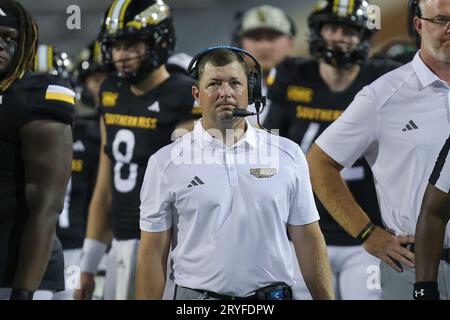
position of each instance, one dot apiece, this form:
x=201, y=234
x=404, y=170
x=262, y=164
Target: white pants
x=356, y=275
x=121, y=272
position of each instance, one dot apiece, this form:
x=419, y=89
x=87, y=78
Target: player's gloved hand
x=87, y=286
x=426, y=290
x=388, y=248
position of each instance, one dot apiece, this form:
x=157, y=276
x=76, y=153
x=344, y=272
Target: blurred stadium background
x=199, y=23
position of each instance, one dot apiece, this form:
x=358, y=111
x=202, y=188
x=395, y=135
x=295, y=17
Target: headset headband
x=195, y=60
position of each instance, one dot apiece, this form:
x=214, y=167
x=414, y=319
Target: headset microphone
x=240, y=112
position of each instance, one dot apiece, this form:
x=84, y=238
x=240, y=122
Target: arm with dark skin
x=430, y=233
x=47, y=160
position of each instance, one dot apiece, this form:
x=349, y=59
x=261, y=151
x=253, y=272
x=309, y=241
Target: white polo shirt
x=229, y=207
x=399, y=123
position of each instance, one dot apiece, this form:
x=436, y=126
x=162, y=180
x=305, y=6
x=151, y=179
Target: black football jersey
x=137, y=127
x=33, y=97
x=71, y=227
x=303, y=106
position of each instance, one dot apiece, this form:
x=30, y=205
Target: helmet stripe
x=49, y=58
x=111, y=9
x=351, y=6
x=97, y=53
x=115, y=13
x=336, y=6
x=122, y=13
x=343, y=8
x=117, y=10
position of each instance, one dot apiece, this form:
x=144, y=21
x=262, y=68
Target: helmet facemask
x=328, y=13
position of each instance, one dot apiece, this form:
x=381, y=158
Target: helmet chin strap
x=339, y=59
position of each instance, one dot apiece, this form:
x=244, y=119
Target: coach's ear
x=196, y=93
x=418, y=25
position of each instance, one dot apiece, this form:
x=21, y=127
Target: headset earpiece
x=414, y=8
x=251, y=81
x=413, y=11
x=417, y=10
x=193, y=74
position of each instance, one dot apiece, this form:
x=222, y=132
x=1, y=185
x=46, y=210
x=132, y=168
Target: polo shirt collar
x=205, y=139
x=424, y=74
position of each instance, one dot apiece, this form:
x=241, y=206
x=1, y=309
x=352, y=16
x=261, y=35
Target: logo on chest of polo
x=410, y=126
x=112, y=119
x=263, y=173
x=195, y=182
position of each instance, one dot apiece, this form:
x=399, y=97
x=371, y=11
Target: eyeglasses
x=439, y=20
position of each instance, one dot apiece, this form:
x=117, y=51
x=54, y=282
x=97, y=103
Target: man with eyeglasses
x=307, y=96
x=399, y=123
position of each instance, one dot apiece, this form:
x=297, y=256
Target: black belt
x=210, y=294
x=445, y=252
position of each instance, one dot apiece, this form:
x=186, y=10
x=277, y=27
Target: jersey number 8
x=127, y=138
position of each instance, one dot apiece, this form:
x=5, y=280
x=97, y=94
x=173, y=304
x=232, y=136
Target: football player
x=35, y=160
x=141, y=105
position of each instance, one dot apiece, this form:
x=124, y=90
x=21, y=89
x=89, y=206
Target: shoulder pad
x=48, y=96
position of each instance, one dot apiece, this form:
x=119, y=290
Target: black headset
x=415, y=8
x=413, y=11
x=254, y=79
